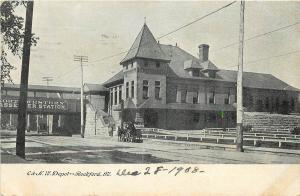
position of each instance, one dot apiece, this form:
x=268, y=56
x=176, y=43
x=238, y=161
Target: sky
x=102, y=29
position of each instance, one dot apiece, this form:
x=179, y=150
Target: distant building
x=50, y=109
x=164, y=86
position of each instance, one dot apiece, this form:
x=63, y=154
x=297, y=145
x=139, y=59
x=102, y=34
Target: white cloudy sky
x=100, y=29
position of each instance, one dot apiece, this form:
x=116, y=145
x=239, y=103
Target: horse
x=121, y=134
x=135, y=134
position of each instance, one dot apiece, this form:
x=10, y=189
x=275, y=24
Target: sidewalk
x=225, y=146
x=9, y=158
x=212, y=146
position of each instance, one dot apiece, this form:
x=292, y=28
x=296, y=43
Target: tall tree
x=12, y=32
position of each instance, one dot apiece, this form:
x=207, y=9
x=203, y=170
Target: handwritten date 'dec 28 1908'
x=162, y=170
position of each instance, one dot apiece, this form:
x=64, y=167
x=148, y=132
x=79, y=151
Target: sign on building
x=35, y=104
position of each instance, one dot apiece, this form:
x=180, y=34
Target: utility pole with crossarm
x=239, y=102
x=81, y=59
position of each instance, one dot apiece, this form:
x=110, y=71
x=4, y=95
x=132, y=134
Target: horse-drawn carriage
x=129, y=133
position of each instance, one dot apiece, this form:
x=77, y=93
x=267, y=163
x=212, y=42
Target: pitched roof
x=256, y=80
x=115, y=79
x=192, y=64
x=43, y=88
x=179, y=57
x=145, y=46
x=94, y=87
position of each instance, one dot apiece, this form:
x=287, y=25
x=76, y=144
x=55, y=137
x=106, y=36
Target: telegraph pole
x=2, y=43
x=47, y=79
x=81, y=59
x=240, y=112
x=22, y=110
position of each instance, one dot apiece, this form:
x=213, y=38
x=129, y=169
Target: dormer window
x=157, y=64
x=196, y=73
x=212, y=74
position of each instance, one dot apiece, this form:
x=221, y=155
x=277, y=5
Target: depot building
x=164, y=86
x=158, y=86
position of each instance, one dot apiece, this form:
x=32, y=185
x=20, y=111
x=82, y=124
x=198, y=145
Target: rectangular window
x=127, y=90
x=212, y=117
x=250, y=101
x=183, y=96
x=292, y=104
x=116, y=96
x=132, y=88
x=226, y=101
x=277, y=104
x=157, y=89
x=267, y=103
x=195, y=97
x=196, y=117
x=211, y=96
x=146, y=63
x=157, y=64
x=120, y=94
x=178, y=95
x=145, y=89
x=227, y=96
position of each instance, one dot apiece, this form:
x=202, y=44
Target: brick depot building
x=159, y=86
x=166, y=87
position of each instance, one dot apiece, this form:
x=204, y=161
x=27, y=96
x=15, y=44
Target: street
x=105, y=150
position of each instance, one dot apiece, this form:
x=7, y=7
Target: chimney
x=203, y=52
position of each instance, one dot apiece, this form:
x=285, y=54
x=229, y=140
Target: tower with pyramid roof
x=144, y=67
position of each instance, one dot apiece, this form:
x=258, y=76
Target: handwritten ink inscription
x=148, y=171
x=154, y=171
